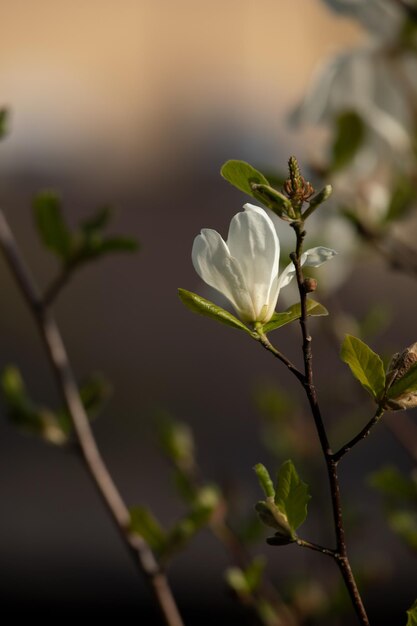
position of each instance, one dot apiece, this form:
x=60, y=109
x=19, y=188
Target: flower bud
x=309, y=284
x=398, y=368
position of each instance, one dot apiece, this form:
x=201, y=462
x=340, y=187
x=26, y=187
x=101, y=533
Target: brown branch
x=331, y=465
x=58, y=359
x=359, y=437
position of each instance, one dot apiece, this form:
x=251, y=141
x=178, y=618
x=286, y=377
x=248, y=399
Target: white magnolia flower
x=245, y=268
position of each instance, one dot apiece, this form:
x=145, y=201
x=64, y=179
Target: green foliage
x=402, y=199
x=166, y=543
x=94, y=393
x=52, y=426
x=285, y=507
x=200, y=305
x=400, y=501
x=365, y=365
x=242, y=175
x=4, y=122
x=412, y=615
x=391, y=483
x=143, y=523
x=294, y=313
x=349, y=137
x=176, y=441
x=26, y=415
x=84, y=244
x=265, y=480
x=406, y=384
x=50, y=223
x=291, y=495
x=245, y=582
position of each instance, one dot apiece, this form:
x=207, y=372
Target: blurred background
x=137, y=104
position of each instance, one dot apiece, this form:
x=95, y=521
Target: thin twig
x=341, y=556
x=56, y=286
x=303, y=543
x=58, y=359
x=360, y=436
x=263, y=339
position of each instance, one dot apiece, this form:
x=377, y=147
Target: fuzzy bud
x=398, y=368
x=309, y=284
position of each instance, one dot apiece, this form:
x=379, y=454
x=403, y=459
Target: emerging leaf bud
x=318, y=199
x=274, y=200
x=401, y=379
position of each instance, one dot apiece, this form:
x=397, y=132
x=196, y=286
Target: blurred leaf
x=406, y=384
x=242, y=175
x=403, y=197
x=24, y=414
x=412, y=615
x=94, y=393
x=291, y=495
x=98, y=221
x=176, y=440
x=200, y=305
x=294, y=313
x=4, y=122
x=404, y=523
x=236, y=580
x=376, y=320
x=349, y=137
x=390, y=482
x=143, y=523
x=254, y=572
x=50, y=223
x=365, y=365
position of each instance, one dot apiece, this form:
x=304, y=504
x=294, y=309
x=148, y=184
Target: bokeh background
x=137, y=104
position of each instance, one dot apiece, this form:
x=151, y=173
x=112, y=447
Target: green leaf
x=272, y=516
x=291, y=495
x=4, y=122
x=50, y=223
x=242, y=175
x=412, y=615
x=176, y=440
x=254, y=572
x=314, y=309
x=98, y=221
x=265, y=480
x=402, y=199
x=349, y=137
x=26, y=415
x=365, y=365
x=392, y=483
x=405, y=384
x=200, y=305
x=143, y=523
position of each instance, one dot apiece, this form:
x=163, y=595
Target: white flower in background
x=373, y=83
x=383, y=18
x=245, y=268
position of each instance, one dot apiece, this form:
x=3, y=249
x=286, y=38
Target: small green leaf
x=235, y=578
x=404, y=523
x=365, y=365
x=293, y=313
x=4, y=122
x=200, y=305
x=265, y=480
x=291, y=495
x=350, y=134
x=176, y=440
x=405, y=384
x=50, y=223
x=412, y=615
x=272, y=516
x=254, y=572
x=143, y=523
x=242, y=175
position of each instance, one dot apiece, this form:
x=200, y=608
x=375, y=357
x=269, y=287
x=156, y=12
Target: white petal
x=253, y=242
x=214, y=264
x=314, y=257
